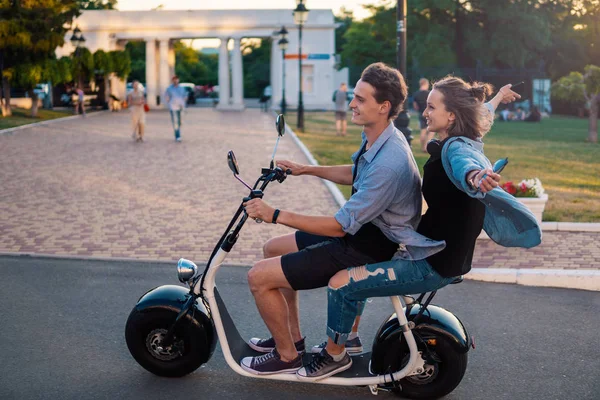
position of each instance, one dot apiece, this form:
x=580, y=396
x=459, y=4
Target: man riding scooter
x=383, y=211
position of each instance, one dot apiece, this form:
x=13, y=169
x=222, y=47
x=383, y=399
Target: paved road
x=62, y=324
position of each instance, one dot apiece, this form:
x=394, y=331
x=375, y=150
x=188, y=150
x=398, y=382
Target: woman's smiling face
x=437, y=117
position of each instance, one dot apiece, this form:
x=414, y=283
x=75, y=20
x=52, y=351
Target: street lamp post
x=78, y=41
x=300, y=17
x=403, y=120
x=283, y=44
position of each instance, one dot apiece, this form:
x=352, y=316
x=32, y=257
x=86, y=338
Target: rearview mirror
x=233, y=165
x=280, y=124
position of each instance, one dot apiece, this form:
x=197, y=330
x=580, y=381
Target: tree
x=30, y=31
x=97, y=4
x=82, y=66
x=577, y=88
x=257, y=67
x=137, y=55
x=103, y=65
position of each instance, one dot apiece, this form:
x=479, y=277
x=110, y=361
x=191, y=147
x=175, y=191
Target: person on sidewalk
x=80, y=101
x=136, y=102
x=340, y=97
x=419, y=104
x=383, y=210
x=463, y=197
x=175, y=97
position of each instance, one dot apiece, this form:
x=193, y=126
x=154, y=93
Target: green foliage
x=592, y=80
x=137, y=55
x=578, y=88
x=121, y=63
x=257, y=67
x=30, y=31
x=570, y=88
x=97, y=4
x=82, y=65
x=103, y=62
x=188, y=66
x=344, y=20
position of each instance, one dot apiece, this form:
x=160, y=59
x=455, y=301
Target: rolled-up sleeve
x=376, y=192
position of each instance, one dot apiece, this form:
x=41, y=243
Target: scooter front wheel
x=144, y=334
x=443, y=372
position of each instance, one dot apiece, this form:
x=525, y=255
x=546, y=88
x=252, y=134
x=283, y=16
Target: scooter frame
x=415, y=365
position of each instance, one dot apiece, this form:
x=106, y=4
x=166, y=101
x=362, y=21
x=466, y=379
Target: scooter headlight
x=186, y=270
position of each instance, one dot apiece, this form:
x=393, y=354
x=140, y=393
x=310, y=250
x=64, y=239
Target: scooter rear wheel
x=144, y=332
x=442, y=374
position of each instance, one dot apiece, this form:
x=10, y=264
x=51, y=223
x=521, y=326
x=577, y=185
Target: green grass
x=23, y=117
x=554, y=150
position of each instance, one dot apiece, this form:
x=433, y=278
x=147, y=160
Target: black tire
x=440, y=377
x=144, y=329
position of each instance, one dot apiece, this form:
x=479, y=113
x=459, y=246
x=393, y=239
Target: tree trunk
x=34, y=103
x=6, y=110
x=593, y=126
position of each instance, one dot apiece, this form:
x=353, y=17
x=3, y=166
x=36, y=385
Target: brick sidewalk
x=82, y=188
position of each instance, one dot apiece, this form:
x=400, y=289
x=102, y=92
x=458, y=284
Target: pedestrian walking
x=175, y=97
x=340, y=97
x=137, y=103
x=420, y=104
x=80, y=108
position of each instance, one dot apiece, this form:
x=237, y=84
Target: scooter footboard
x=389, y=348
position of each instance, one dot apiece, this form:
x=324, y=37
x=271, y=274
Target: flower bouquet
x=526, y=188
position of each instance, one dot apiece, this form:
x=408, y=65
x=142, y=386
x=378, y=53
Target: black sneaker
x=323, y=366
x=271, y=363
x=353, y=346
x=268, y=345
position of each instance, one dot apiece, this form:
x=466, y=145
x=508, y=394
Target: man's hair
x=389, y=86
x=423, y=81
x=465, y=100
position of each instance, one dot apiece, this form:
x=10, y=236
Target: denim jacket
x=507, y=221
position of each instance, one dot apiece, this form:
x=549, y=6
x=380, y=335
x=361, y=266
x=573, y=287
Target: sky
x=335, y=5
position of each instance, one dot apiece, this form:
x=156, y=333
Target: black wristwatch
x=275, y=215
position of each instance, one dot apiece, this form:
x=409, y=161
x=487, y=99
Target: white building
x=111, y=30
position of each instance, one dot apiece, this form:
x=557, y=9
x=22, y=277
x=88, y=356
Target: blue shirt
x=176, y=97
x=388, y=194
x=507, y=221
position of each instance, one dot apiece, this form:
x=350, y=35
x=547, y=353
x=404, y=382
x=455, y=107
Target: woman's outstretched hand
x=507, y=95
x=486, y=180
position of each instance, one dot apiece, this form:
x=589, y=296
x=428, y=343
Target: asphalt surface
x=62, y=328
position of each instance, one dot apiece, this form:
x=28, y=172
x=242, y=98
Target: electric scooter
x=419, y=351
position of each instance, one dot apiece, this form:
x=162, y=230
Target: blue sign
x=317, y=56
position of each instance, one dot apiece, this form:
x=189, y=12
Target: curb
x=108, y=259
x=556, y=278
x=560, y=278
x=9, y=131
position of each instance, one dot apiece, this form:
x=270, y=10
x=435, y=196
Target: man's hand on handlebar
x=258, y=209
x=296, y=168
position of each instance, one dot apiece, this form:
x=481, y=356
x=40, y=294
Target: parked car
x=190, y=89
x=129, y=88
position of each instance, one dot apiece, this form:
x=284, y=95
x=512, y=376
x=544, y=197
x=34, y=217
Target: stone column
x=151, y=72
x=276, y=78
x=171, y=60
x=163, y=68
x=237, y=76
x=223, y=75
